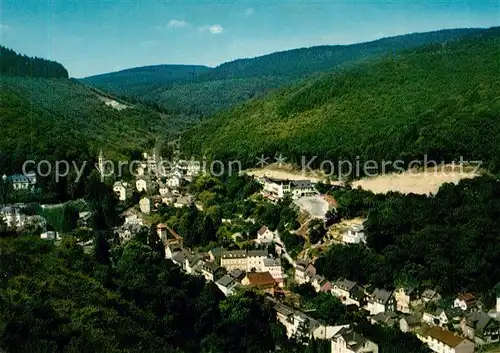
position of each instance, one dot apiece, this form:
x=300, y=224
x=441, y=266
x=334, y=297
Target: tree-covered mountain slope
x=201, y=91
x=63, y=119
x=134, y=83
x=12, y=63
x=442, y=100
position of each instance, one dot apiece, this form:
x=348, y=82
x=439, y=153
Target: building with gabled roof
x=227, y=284
x=264, y=235
x=211, y=271
x=349, y=341
x=481, y=328
x=440, y=340
x=381, y=301
x=260, y=280
x=466, y=302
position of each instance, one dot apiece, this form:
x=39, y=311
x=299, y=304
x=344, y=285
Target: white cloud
x=214, y=29
x=5, y=28
x=176, y=23
x=249, y=11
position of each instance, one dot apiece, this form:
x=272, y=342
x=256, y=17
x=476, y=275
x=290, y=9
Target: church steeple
x=101, y=163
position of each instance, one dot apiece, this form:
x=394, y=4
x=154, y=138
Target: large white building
x=251, y=260
x=440, y=340
x=276, y=189
x=354, y=235
x=22, y=181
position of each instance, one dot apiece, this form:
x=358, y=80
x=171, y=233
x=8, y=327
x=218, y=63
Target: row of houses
x=436, y=327
x=343, y=338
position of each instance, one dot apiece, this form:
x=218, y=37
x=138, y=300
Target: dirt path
x=417, y=182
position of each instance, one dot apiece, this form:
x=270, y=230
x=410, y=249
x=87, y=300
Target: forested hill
x=441, y=100
x=201, y=91
x=300, y=62
x=133, y=83
x=63, y=119
x=12, y=63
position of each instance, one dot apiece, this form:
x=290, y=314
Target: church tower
x=101, y=163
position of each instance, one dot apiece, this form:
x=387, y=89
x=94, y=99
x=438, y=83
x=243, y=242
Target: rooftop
x=381, y=295
x=345, y=284
x=262, y=230
x=354, y=340
x=260, y=278
x=301, y=184
x=225, y=281
x=211, y=266
x=446, y=337
x=229, y=254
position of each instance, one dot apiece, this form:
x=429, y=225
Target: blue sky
x=92, y=37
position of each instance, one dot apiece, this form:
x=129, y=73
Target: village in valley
x=243, y=250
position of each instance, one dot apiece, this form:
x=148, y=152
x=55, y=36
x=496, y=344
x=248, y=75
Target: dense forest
x=12, y=63
x=62, y=119
x=447, y=241
x=46, y=116
x=61, y=299
x=200, y=91
x=440, y=100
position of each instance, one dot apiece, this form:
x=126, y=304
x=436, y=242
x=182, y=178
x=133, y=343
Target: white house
x=301, y=188
x=122, y=190
x=294, y=319
x=442, y=317
x=349, y=341
x=381, y=301
x=465, y=301
x=141, y=170
x=133, y=218
x=174, y=181
x=264, y=235
x=348, y=292
x=430, y=295
x=193, y=264
x=443, y=341
x=304, y=272
x=127, y=231
x=193, y=168
x=163, y=189
x=273, y=266
x=13, y=216
x=255, y=260
x=227, y=285
x=145, y=205
x=141, y=185
x=22, y=181
x=49, y=235
x=211, y=271
x=354, y=235
x=405, y=297
x=274, y=188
